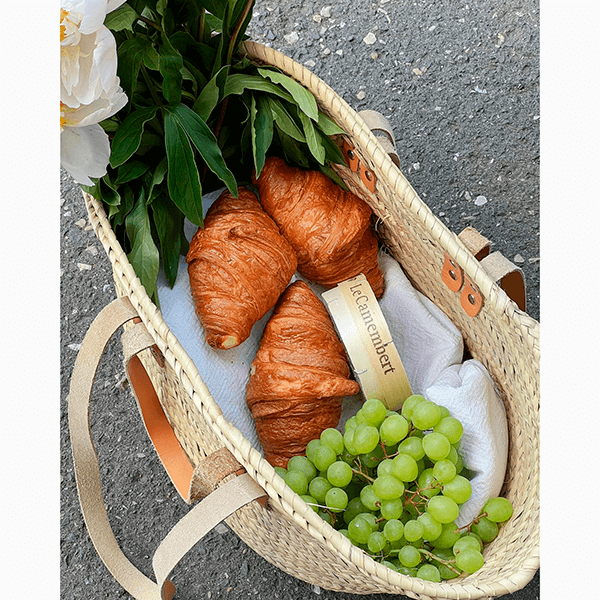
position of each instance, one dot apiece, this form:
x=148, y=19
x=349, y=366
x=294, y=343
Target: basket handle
x=215, y=507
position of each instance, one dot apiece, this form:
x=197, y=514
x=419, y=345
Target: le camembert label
x=363, y=330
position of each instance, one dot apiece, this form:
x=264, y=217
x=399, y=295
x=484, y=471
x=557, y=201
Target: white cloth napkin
x=430, y=346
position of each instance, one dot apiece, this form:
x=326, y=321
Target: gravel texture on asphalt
x=459, y=82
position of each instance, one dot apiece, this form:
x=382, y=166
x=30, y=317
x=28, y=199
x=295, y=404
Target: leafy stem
x=149, y=22
x=150, y=85
x=236, y=31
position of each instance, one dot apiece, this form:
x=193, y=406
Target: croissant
x=238, y=265
x=329, y=228
x=299, y=376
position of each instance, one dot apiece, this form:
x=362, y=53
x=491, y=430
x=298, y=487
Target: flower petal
x=84, y=152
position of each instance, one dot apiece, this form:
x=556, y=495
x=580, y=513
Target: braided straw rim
x=281, y=497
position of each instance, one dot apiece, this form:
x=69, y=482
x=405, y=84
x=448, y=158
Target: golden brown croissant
x=329, y=228
x=299, y=376
x=238, y=265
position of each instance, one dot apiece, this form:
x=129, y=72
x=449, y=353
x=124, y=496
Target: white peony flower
x=90, y=89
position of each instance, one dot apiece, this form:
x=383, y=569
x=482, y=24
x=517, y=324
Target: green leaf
x=168, y=220
x=150, y=58
x=284, y=121
x=170, y=64
x=183, y=179
x=215, y=7
x=144, y=256
x=312, y=138
x=108, y=191
x=327, y=126
x=157, y=178
x=122, y=18
x=293, y=153
x=261, y=122
x=238, y=83
x=127, y=202
x=129, y=60
x=129, y=135
x=209, y=96
x=130, y=170
x=205, y=142
x=305, y=100
x=332, y=151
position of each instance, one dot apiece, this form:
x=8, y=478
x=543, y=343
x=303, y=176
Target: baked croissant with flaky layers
x=238, y=265
x=299, y=376
x=328, y=227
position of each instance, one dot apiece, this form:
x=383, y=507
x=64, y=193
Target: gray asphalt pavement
x=459, y=82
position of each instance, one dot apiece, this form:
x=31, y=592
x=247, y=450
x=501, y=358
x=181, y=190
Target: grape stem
x=359, y=472
x=447, y=563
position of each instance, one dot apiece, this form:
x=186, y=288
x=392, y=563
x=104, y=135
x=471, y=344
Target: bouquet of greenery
x=160, y=105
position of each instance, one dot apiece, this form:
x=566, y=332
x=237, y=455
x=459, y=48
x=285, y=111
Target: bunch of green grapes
x=392, y=484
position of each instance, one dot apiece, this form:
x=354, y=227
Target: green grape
x=466, y=542
x=459, y=489
x=391, y=509
x=310, y=501
x=388, y=487
x=373, y=458
x=350, y=424
x=486, y=530
x=443, y=555
x=405, y=467
x=393, y=429
x=498, y=509
x=339, y=474
x=324, y=457
x=297, y=481
x=444, y=412
x=336, y=499
x=369, y=498
x=436, y=446
x=413, y=446
x=355, y=507
x=376, y=542
x=431, y=528
x=389, y=565
x=406, y=571
x=450, y=534
x=450, y=427
x=429, y=486
x=327, y=516
x=393, y=530
x=334, y=439
x=470, y=534
x=280, y=471
x=371, y=519
x=444, y=470
x=425, y=415
x=409, y=405
x=385, y=467
x=349, y=441
x=409, y=556
x=302, y=464
x=459, y=464
x=413, y=530
x=469, y=560
x=429, y=573
x=311, y=447
x=453, y=456
x=374, y=412
x=442, y=509
x=360, y=417
x=318, y=487
x=366, y=438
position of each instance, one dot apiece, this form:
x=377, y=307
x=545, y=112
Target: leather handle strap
x=221, y=503
x=382, y=130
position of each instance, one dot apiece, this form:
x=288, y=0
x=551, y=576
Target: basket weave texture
x=288, y=533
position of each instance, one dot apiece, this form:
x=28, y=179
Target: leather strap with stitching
x=218, y=505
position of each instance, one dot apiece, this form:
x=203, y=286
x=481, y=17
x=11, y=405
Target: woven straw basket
x=284, y=530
